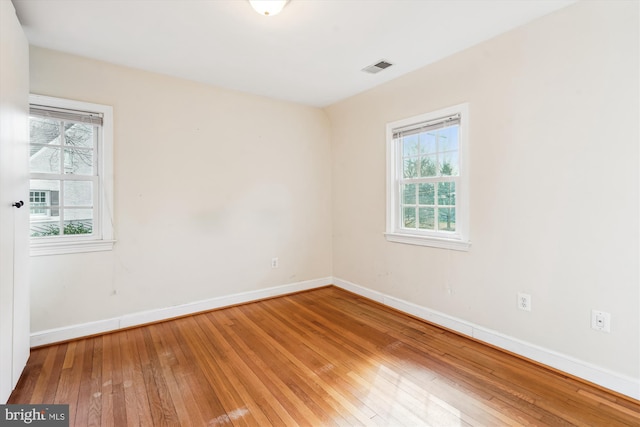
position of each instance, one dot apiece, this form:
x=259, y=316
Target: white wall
x=210, y=184
x=554, y=185
x=14, y=226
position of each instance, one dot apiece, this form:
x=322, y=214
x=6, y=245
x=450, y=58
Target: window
x=71, y=185
x=427, y=183
x=39, y=201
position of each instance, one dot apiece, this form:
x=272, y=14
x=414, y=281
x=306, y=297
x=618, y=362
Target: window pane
x=448, y=138
x=78, y=161
x=447, y=193
x=409, y=217
x=410, y=167
x=44, y=159
x=44, y=131
x=428, y=166
x=45, y=228
x=447, y=219
x=78, y=135
x=426, y=218
x=428, y=142
x=409, y=194
x=449, y=164
x=43, y=194
x=78, y=221
x=78, y=193
x=44, y=184
x=410, y=145
x=426, y=194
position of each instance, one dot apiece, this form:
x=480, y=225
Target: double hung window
x=428, y=179
x=71, y=176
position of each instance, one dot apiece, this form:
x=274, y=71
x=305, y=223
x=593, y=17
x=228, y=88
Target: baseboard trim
x=614, y=381
x=619, y=383
x=126, y=321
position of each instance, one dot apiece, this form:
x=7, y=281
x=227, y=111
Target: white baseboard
x=51, y=336
x=620, y=383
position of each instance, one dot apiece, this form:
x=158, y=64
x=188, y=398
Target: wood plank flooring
x=319, y=358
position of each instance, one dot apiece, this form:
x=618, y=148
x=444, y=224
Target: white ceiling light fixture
x=268, y=7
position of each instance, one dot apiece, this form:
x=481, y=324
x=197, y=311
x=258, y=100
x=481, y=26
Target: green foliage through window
x=73, y=227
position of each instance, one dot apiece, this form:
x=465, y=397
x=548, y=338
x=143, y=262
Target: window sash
x=61, y=208
x=440, y=154
x=401, y=205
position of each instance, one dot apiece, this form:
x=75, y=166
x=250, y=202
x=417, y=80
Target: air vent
x=376, y=68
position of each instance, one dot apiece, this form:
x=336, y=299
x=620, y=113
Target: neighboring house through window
x=39, y=201
x=71, y=170
x=427, y=182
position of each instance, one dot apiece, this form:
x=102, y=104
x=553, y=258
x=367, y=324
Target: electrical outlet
x=274, y=262
x=524, y=301
x=600, y=321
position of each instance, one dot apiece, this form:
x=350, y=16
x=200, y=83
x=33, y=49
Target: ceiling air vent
x=376, y=68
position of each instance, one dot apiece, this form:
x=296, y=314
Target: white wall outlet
x=524, y=301
x=274, y=262
x=600, y=321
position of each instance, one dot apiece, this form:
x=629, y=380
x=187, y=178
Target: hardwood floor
x=318, y=358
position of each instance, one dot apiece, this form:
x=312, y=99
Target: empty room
x=320, y=212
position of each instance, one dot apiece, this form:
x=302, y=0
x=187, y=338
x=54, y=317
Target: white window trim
x=105, y=241
x=394, y=233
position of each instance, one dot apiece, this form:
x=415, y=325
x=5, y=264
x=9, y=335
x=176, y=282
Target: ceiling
x=312, y=53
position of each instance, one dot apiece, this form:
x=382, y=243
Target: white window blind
x=67, y=115
x=426, y=126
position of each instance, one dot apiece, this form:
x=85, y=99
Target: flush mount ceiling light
x=268, y=7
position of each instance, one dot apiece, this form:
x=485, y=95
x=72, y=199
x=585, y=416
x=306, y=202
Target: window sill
x=434, y=242
x=59, y=248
